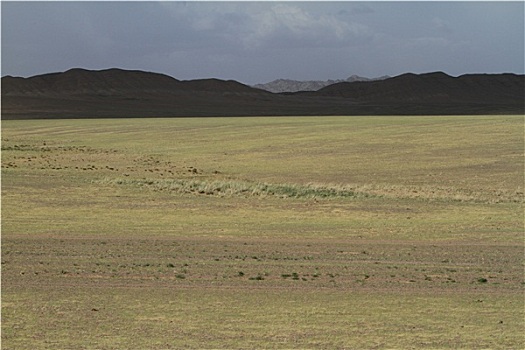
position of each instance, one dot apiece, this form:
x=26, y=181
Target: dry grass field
x=270, y=233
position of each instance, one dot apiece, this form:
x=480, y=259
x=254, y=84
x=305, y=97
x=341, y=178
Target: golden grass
x=141, y=318
x=329, y=232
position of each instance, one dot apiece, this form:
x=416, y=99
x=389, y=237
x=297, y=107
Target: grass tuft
x=232, y=188
x=238, y=188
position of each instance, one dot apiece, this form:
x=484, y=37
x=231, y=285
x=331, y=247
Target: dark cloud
x=261, y=41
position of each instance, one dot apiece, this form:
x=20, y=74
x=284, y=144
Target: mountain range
x=288, y=85
x=118, y=93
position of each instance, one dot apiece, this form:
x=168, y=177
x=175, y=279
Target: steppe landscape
x=278, y=231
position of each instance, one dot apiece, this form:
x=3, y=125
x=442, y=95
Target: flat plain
x=278, y=232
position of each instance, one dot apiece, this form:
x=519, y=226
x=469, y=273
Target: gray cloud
x=361, y=9
x=260, y=41
x=288, y=25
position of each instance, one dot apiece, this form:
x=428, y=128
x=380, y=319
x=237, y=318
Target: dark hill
x=434, y=88
x=82, y=81
x=116, y=93
x=217, y=85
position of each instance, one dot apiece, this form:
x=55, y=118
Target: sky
x=257, y=42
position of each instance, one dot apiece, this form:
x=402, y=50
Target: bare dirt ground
x=253, y=263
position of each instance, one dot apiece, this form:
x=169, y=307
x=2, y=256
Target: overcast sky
x=256, y=42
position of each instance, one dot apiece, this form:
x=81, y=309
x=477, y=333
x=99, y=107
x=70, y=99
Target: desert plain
x=360, y=232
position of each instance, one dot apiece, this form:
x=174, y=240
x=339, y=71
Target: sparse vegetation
x=257, y=278
x=290, y=233
x=239, y=188
x=230, y=188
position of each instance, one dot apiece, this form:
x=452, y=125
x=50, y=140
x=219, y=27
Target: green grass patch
x=240, y=188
